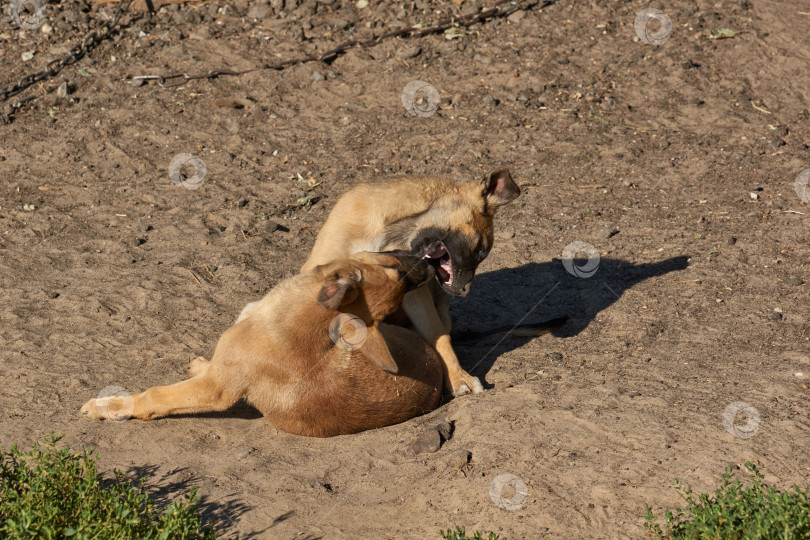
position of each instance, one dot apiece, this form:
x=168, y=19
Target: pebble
x=607, y=232
x=458, y=459
x=63, y=90
x=201, y=32
x=316, y=76
x=192, y=16
x=409, y=52
x=444, y=427
x=516, y=17
x=229, y=103
x=489, y=101
x=426, y=443
x=260, y=11
x=794, y=280
x=469, y=8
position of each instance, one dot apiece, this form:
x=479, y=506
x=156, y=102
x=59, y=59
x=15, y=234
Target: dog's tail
x=523, y=330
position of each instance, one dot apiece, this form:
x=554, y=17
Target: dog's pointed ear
x=339, y=288
x=499, y=188
x=375, y=349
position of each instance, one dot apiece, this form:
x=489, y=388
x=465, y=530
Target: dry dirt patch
x=677, y=163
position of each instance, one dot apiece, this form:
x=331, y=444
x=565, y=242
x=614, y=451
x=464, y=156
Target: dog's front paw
x=116, y=408
x=467, y=384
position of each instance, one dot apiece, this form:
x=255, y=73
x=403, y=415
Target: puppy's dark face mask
x=454, y=256
x=455, y=233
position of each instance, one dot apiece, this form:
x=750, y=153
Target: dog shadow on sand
x=537, y=292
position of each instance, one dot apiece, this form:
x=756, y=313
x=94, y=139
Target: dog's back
x=351, y=395
x=363, y=216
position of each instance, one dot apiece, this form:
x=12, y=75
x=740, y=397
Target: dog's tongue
x=447, y=266
x=436, y=250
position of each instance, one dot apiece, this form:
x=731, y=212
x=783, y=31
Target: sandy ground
x=678, y=163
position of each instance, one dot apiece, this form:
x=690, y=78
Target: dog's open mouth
x=439, y=258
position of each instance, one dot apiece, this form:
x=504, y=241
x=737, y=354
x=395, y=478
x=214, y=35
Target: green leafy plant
x=49, y=492
x=736, y=512
x=461, y=534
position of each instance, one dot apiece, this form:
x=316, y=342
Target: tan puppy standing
x=312, y=356
x=450, y=223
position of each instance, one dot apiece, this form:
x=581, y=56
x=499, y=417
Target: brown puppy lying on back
x=312, y=356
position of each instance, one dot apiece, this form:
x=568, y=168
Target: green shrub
x=51, y=493
x=461, y=534
x=737, y=512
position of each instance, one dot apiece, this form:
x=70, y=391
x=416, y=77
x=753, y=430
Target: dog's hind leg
x=200, y=394
x=198, y=366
